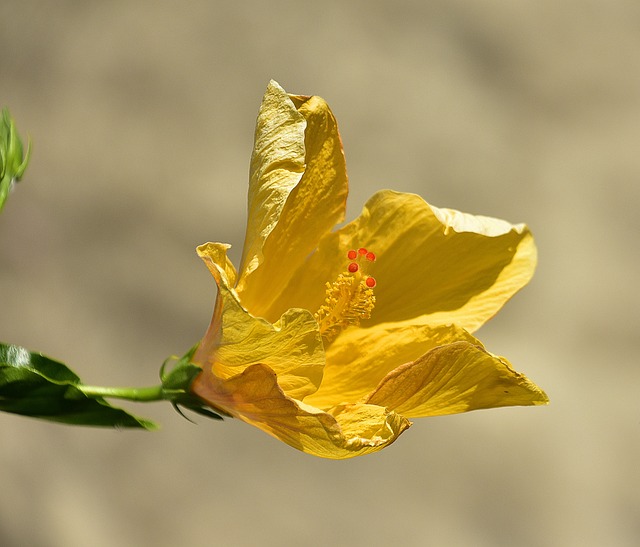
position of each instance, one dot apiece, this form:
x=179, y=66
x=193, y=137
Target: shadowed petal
x=455, y=378
x=235, y=339
x=297, y=194
x=255, y=397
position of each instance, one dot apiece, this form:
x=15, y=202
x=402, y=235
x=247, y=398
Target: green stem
x=140, y=394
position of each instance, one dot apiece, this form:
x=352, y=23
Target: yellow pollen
x=348, y=301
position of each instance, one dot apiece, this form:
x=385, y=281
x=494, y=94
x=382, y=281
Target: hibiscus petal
x=360, y=358
x=455, y=378
x=277, y=165
x=435, y=264
x=297, y=194
x=255, y=397
x=236, y=339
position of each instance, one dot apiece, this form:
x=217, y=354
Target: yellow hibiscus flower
x=331, y=340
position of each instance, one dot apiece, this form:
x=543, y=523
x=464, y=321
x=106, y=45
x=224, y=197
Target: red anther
x=371, y=257
x=353, y=267
x=371, y=282
x=362, y=251
x=352, y=254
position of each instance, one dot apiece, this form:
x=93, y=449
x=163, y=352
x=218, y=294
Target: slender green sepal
x=182, y=374
x=179, y=379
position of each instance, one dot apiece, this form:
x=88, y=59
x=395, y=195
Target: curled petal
x=433, y=265
x=255, y=397
x=297, y=194
x=214, y=255
x=236, y=339
x=455, y=378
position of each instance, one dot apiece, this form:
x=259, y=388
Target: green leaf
x=37, y=386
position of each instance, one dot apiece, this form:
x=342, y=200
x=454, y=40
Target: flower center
x=349, y=298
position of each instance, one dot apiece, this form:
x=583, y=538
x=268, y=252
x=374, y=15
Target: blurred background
x=142, y=117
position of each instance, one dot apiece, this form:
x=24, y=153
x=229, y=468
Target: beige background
x=142, y=119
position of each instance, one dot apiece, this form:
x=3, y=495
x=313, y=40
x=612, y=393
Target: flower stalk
x=136, y=394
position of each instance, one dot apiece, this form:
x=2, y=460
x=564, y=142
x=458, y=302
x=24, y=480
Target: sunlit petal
x=455, y=378
x=294, y=203
x=277, y=165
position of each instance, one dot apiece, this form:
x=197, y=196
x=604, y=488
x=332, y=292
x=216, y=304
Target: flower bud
x=13, y=160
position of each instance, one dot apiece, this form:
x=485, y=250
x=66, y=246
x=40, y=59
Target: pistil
x=349, y=299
